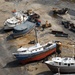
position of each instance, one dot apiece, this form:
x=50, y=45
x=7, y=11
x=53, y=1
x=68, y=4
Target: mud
x=8, y=64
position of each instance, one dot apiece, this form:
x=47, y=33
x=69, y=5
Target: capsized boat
x=23, y=28
x=17, y=19
x=64, y=65
x=35, y=53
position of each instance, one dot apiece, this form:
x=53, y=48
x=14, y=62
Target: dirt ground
x=8, y=64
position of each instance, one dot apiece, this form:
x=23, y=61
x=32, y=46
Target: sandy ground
x=9, y=65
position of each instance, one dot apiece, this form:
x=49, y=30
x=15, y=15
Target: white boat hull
x=61, y=69
x=6, y=27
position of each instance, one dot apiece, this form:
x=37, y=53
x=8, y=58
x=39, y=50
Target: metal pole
x=58, y=71
x=73, y=51
x=36, y=35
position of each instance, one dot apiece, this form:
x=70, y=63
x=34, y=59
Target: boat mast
x=36, y=34
x=73, y=50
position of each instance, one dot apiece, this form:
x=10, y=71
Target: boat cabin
x=36, y=48
x=58, y=61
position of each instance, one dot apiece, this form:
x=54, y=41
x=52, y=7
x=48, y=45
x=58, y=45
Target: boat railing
x=42, y=47
x=36, y=49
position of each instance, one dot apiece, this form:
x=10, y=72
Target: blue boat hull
x=18, y=33
x=25, y=58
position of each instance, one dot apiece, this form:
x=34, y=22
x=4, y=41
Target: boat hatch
x=24, y=51
x=48, y=45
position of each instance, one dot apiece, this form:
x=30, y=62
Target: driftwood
x=55, y=32
x=59, y=33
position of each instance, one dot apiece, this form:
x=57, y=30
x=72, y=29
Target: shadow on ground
x=2, y=31
x=45, y=73
x=13, y=64
x=9, y=37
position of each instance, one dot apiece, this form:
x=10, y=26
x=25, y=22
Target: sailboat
x=64, y=64
x=35, y=53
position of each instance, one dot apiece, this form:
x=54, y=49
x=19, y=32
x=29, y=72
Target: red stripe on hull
x=38, y=57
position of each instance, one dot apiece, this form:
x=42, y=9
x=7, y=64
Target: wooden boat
x=35, y=53
x=64, y=65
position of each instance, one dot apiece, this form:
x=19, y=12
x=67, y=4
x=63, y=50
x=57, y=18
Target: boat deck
x=24, y=25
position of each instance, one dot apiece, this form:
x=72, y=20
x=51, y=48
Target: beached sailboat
x=35, y=53
x=17, y=19
x=62, y=64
